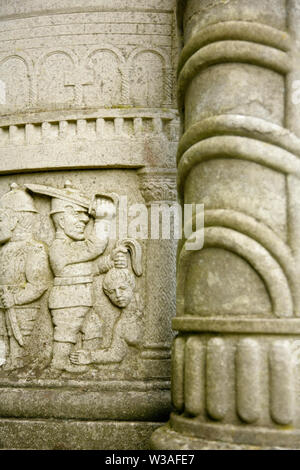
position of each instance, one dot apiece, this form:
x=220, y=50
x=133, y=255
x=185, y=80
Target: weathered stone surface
x=76, y=435
x=88, y=132
x=236, y=358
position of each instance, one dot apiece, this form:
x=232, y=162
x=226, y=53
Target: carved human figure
x=73, y=257
x=119, y=286
x=24, y=273
x=96, y=324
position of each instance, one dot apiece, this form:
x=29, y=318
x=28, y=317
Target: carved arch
x=109, y=81
x=106, y=47
x=52, y=78
x=263, y=235
x=67, y=52
x=157, y=51
x=21, y=91
x=251, y=251
x=150, y=86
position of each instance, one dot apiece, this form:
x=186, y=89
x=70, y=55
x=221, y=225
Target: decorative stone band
x=235, y=379
x=240, y=126
x=156, y=351
x=106, y=124
x=32, y=73
x=77, y=399
x=233, y=41
x=87, y=140
x=235, y=147
x=257, y=436
x=231, y=51
x=237, y=31
x=74, y=6
x=193, y=324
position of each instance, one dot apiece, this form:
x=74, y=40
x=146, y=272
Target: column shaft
x=238, y=298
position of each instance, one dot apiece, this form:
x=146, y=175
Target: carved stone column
x=86, y=101
x=236, y=357
x=158, y=187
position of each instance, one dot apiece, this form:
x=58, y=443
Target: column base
x=165, y=438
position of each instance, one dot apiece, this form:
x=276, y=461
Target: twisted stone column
x=236, y=357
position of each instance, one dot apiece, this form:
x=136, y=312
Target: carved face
x=8, y=222
x=120, y=294
x=119, y=286
x=74, y=223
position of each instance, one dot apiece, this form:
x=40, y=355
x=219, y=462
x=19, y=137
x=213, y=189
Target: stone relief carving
x=60, y=77
x=24, y=273
x=119, y=286
x=15, y=74
x=147, y=80
x=56, y=71
x=107, y=89
x=77, y=255
x=154, y=188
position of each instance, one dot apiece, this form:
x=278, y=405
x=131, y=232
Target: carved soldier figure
x=24, y=272
x=119, y=286
x=72, y=258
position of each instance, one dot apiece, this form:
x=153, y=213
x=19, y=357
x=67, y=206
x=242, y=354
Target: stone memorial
x=88, y=138
x=236, y=359
x=89, y=127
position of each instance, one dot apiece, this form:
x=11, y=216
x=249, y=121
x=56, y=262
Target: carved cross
x=78, y=79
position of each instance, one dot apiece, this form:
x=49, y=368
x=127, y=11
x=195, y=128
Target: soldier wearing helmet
x=72, y=258
x=24, y=273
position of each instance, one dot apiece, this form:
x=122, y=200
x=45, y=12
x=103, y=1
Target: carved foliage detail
x=158, y=188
